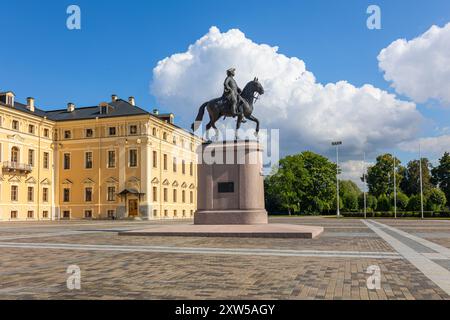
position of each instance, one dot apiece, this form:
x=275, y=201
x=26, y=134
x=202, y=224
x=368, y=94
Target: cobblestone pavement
x=34, y=258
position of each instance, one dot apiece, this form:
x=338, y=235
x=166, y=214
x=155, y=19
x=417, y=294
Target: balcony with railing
x=16, y=167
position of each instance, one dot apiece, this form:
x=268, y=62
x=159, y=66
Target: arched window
x=15, y=154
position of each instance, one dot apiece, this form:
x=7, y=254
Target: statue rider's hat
x=231, y=70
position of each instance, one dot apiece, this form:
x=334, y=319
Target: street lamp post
x=395, y=190
x=421, y=181
x=337, y=144
x=365, y=186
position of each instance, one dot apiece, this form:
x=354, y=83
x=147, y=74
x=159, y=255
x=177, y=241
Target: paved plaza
x=413, y=257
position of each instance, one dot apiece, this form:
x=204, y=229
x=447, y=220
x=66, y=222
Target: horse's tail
x=199, y=118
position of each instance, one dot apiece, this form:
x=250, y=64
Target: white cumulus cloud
x=309, y=114
x=433, y=147
x=420, y=68
x=353, y=170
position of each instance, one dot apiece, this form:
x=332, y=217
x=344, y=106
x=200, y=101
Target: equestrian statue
x=233, y=103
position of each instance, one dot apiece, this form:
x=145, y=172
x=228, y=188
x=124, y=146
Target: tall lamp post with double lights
x=337, y=144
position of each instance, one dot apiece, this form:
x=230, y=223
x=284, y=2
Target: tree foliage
x=349, y=193
x=303, y=183
x=436, y=199
x=380, y=177
x=441, y=175
x=411, y=178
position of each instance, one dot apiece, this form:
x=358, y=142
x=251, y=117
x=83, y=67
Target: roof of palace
x=118, y=108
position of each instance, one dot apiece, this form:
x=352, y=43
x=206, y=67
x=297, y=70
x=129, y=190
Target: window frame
x=136, y=163
x=91, y=194
x=86, y=167
x=64, y=160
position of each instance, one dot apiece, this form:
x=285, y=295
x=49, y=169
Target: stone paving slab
x=41, y=273
x=179, y=276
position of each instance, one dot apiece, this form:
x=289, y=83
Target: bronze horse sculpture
x=220, y=107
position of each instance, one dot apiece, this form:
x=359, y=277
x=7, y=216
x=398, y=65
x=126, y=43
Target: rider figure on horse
x=232, y=93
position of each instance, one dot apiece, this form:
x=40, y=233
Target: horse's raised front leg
x=252, y=118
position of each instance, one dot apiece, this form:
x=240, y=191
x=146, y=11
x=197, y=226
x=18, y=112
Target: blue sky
x=121, y=42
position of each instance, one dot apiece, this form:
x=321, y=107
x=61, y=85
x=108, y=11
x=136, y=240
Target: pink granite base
x=236, y=231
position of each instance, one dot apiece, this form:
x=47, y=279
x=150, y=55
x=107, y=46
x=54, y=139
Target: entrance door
x=132, y=207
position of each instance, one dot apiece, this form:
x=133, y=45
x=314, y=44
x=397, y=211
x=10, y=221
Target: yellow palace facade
x=111, y=160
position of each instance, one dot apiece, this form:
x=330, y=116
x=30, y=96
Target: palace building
x=112, y=160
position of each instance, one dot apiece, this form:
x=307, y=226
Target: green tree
x=384, y=204
x=414, y=203
x=411, y=177
x=402, y=200
x=380, y=177
x=349, y=193
x=371, y=202
x=283, y=185
x=304, y=182
x=436, y=200
x=441, y=174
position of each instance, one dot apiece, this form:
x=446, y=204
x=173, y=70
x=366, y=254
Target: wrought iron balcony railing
x=16, y=167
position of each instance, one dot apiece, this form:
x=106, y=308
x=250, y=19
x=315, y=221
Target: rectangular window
x=67, y=134
x=46, y=133
x=183, y=196
x=30, y=194
x=88, y=194
x=155, y=194
x=133, y=160
x=112, y=131
x=14, y=193
x=155, y=159
x=45, y=194
x=15, y=125
x=66, y=195
x=165, y=161
x=14, y=214
x=66, y=161
x=45, y=161
x=31, y=129
x=89, y=133
x=30, y=214
x=165, y=194
x=66, y=214
x=87, y=214
x=31, y=157
x=174, y=195
x=133, y=129
x=88, y=163
x=191, y=168
x=174, y=164
x=111, y=213
x=111, y=193
x=191, y=197
x=45, y=214
x=166, y=213
x=155, y=212
x=175, y=213
x=183, y=167
x=154, y=132
x=111, y=159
